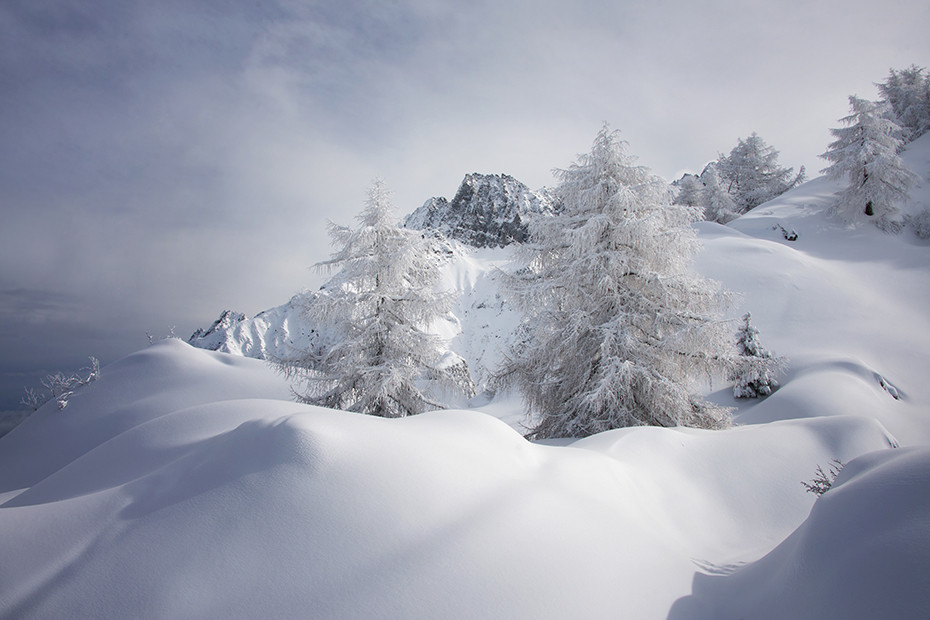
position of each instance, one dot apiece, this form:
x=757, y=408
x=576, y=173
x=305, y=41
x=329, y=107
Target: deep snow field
x=186, y=483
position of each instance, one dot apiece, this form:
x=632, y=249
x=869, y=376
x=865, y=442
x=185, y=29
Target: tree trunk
x=868, y=205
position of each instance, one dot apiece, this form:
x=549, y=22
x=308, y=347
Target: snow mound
x=133, y=391
x=183, y=484
x=864, y=552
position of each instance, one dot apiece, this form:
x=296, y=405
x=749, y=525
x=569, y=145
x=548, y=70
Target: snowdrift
x=183, y=484
x=864, y=552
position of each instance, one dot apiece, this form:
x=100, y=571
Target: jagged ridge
x=488, y=210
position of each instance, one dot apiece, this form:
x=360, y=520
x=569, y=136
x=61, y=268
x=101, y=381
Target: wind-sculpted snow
x=224, y=500
x=864, y=552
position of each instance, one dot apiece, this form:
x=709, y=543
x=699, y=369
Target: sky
x=163, y=161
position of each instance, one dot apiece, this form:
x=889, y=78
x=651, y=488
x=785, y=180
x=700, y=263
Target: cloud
x=35, y=307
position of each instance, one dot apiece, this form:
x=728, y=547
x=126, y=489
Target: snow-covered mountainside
x=267, y=335
x=476, y=329
x=187, y=483
x=488, y=210
x=480, y=225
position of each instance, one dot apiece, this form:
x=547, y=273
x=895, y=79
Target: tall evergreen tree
x=714, y=198
x=616, y=324
x=380, y=360
x=865, y=154
x=907, y=93
x=689, y=191
x=751, y=173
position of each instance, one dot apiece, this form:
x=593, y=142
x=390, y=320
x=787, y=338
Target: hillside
x=187, y=483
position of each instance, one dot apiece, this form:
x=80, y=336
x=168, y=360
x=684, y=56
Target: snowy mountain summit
x=488, y=214
x=488, y=210
x=212, y=337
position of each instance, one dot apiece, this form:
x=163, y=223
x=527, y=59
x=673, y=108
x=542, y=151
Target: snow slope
x=476, y=329
x=185, y=483
x=847, y=306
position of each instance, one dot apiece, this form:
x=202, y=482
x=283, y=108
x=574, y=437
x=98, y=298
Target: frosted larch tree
x=907, y=93
x=755, y=369
x=616, y=324
x=714, y=198
x=380, y=359
x=751, y=173
x=689, y=190
x=865, y=154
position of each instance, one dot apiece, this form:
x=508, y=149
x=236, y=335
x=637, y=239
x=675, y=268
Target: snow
x=862, y=553
x=187, y=483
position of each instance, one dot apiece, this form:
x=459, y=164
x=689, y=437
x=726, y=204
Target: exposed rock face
x=489, y=210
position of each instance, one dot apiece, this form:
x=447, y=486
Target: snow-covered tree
x=715, y=200
x=865, y=154
x=616, y=324
x=907, y=93
x=755, y=370
x=920, y=224
x=751, y=174
x=380, y=360
x=689, y=190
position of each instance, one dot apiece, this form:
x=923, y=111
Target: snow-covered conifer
x=714, y=198
x=689, y=190
x=920, y=224
x=865, y=154
x=751, y=173
x=380, y=360
x=907, y=93
x=755, y=369
x=616, y=324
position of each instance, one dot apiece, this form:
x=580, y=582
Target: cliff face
x=488, y=210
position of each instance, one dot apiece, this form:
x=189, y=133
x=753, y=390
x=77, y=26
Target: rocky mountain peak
x=488, y=210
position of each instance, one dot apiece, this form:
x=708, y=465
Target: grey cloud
x=36, y=307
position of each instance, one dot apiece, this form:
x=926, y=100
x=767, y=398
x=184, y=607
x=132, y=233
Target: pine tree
x=716, y=201
x=755, y=369
x=751, y=174
x=865, y=154
x=615, y=322
x=689, y=191
x=907, y=93
x=379, y=361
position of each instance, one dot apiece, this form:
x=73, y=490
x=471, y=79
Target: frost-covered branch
x=60, y=387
